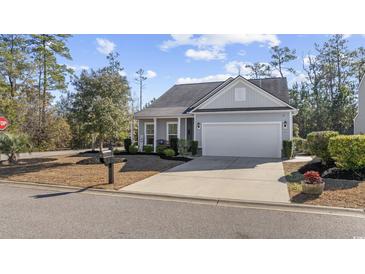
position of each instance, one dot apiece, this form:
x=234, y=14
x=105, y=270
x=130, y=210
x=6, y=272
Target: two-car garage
x=242, y=139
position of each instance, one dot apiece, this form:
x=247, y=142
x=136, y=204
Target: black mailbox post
x=107, y=158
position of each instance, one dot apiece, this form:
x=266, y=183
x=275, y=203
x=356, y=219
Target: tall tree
x=259, y=70
x=15, y=66
x=358, y=63
x=281, y=56
x=140, y=79
x=100, y=103
x=50, y=74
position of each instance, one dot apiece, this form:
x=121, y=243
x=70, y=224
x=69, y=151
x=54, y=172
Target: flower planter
x=315, y=189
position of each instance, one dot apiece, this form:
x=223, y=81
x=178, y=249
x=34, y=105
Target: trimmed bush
x=169, y=152
x=183, y=146
x=300, y=145
x=318, y=143
x=160, y=149
x=174, y=145
x=194, y=147
x=148, y=149
x=133, y=149
x=348, y=151
x=288, y=149
x=127, y=143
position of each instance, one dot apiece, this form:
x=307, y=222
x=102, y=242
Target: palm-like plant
x=12, y=145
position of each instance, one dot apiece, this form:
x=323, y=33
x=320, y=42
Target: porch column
x=140, y=139
x=132, y=131
x=178, y=127
x=154, y=134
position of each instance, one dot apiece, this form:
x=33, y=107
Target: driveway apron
x=253, y=179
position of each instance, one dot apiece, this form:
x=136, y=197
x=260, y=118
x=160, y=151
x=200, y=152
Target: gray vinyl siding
x=359, y=122
x=160, y=128
x=254, y=98
x=244, y=117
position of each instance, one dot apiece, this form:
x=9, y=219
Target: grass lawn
x=339, y=193
x=85, y=171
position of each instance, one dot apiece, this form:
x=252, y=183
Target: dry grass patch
x=337, y=192
x=85, y=171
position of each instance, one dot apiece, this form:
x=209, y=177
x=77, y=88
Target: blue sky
x=171, y=59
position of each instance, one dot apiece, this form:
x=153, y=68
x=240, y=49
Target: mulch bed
x=331, y=171
x=337, y=192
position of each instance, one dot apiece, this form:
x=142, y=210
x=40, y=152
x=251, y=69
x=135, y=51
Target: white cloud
x=307, y=57
x=212, y=46
x=122, y=73
x=346, y=36
x=151, y=74
x=219, y=40
x=234, y=67
x=78, y=68
x=205, y=54
x=209, y=78
x=301, y=77
x=105, y=46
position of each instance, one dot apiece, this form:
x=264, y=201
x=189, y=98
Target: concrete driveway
x=254, y=179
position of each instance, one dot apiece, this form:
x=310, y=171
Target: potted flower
x=313, y=183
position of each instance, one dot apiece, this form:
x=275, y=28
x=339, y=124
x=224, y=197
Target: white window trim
x=145, y=132
x=167, y=129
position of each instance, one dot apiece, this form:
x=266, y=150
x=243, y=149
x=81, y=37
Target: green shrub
x=288, y=149
x=183, y=146
x=318, y=143
x=348, y=151
x=174, y=145
x=133, y=149
x=194, y=147
x=13, y=144
x=127, y=143
x=160, y=149
x=300, y=145
x=169, y=152
x=148, y=149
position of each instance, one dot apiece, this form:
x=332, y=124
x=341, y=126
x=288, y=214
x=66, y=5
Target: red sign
x=4, y=123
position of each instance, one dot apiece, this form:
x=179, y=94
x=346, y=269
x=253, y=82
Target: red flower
x=312, y=177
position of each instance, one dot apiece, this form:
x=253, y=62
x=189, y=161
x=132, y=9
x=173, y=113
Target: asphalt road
x=37, y=212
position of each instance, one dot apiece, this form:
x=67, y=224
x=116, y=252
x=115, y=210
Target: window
x=149, y=134
x=171, y=131
x=240, y=94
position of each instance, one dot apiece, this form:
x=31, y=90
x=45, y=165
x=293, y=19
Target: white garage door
x=242, y=139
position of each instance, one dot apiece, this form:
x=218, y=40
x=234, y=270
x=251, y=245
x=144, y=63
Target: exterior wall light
x=198, y=125
x=285, y=124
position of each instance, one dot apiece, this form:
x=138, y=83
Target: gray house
x=236, y=117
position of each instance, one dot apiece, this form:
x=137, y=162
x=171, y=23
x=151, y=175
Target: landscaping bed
x=341, y=190
x=84, y=170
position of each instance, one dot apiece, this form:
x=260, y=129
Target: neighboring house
x=236, y=117
x=359, y=121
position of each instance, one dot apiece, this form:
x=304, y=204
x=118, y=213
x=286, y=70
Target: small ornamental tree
x=12, y=145
x=101, y=101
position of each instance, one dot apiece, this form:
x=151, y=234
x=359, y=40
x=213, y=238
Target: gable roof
x=181, y=98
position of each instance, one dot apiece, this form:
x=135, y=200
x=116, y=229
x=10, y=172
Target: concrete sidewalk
x=253, y=179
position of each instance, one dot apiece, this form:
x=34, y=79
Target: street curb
x=204, y=200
